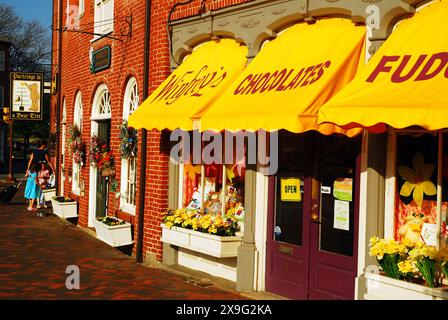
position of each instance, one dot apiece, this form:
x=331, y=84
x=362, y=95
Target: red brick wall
x=127, y=60
x=157, y=171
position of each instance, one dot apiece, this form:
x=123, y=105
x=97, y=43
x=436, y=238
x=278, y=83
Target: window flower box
x=381, y=287
x=49, y=194
x=113, y=231
x=213, y=245
x=64, y=207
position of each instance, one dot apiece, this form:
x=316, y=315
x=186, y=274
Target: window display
x=416, y=193
x=215, y=190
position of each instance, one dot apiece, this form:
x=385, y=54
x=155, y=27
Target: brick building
x=295, y=247
x=109, y=37
x=83, y=92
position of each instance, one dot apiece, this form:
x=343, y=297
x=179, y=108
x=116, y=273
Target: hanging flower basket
x=128, y=141
x=76, y=145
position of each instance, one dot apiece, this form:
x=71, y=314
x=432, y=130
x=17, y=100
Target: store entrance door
x=313, y=217
x=102, y=183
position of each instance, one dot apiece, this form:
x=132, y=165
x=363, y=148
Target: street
x=35, y=252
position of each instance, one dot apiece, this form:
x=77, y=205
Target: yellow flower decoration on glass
x=417, y=180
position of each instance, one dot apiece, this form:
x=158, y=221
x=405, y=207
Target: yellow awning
x=292, y=76
x=406, y=81
x=198, y=81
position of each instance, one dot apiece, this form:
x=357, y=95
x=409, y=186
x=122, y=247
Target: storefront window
x=444, y=231
x=222, y=187
x=416, y=188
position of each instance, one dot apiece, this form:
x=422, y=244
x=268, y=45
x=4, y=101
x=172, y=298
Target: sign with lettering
x=290, y=190
x=343, y=189
x=100, y=59
x=26, y=95
x=341, y=215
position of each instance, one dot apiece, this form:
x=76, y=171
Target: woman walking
x=33, y=188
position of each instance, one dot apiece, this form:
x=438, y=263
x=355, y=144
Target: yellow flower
x=406, y=266
x=212, y=229
x=178, y=220
x=408, y=243
x=186, y=223
x=373, y=241
x=417, y=180
x=195, y=223
x=169, y=224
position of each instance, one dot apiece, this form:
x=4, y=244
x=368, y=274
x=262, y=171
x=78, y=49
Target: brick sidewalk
x=35, y=251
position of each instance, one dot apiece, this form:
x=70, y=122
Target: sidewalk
x=35, y=252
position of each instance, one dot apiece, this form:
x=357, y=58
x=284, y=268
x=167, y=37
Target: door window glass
x=290, y=181
x=337, y=207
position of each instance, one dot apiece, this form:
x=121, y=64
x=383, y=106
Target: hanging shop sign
x=26, y=96
x=290, y=190
x=100, y=59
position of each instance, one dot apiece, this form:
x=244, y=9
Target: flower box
x=380, y=287
x=49, y=194
x=216, y=246
x=115, y=236
x=64, y=208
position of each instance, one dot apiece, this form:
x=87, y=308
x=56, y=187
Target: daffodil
x=417, y=180
x=406, y=266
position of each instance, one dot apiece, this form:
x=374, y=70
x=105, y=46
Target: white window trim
x=391, y=179
x=96, y=112
x=101, y=26
x=77, y=120
x=124, y=206
x=81, y=5
x=64, y=132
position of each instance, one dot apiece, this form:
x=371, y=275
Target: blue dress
x=32, y=189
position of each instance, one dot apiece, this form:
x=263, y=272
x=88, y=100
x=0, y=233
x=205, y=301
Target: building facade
x=101, y=77
x=294, y=248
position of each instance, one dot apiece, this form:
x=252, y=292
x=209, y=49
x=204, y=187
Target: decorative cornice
x=249, y=24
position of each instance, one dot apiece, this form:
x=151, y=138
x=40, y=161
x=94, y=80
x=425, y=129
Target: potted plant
x=64, y=207
x=113, y=231
x=205, y=233
x=101, y=158
x=408, y=270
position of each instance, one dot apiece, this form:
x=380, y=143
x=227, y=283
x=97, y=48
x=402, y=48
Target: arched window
x=129, y=165
x=77, y=121
x=101, y=104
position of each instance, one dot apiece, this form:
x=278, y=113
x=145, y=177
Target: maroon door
x=311, y=246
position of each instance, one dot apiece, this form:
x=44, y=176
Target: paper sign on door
x=341, y=215
x=342, y=189
x=290, y=190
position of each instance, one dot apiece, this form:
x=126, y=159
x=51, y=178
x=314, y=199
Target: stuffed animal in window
x=412, y=227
